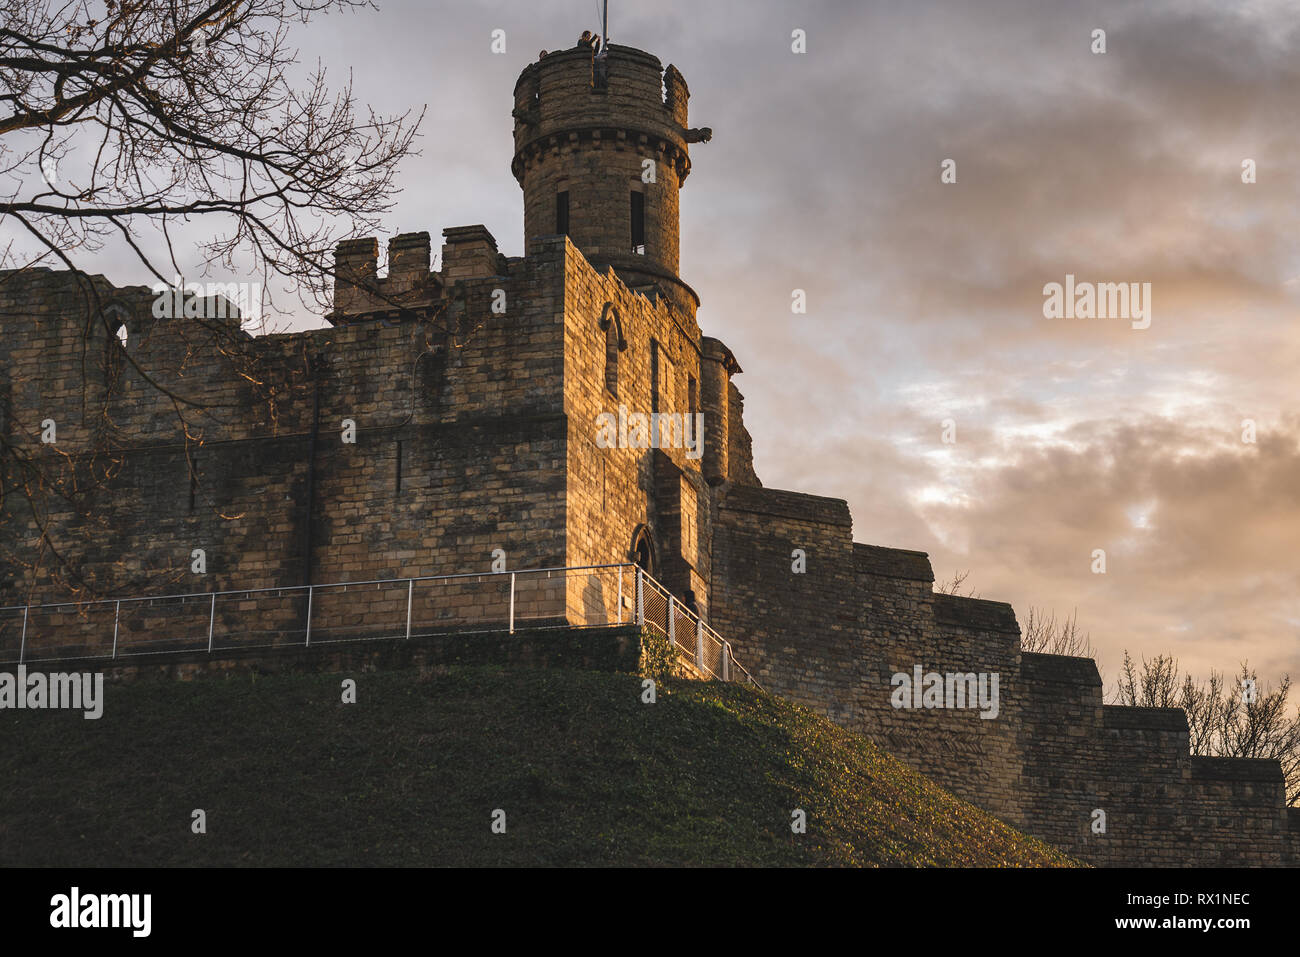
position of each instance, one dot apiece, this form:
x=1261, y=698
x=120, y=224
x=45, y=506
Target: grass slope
x=411, y=773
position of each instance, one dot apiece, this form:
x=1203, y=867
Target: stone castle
x=475, y=390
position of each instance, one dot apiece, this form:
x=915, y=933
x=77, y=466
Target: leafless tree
x=1044, y=634
x=953, y=585
x=1153, y=685
x=121, y=120
x=190, y=115
x=1225, y=719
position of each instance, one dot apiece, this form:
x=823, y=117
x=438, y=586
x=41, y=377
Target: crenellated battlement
x=410, y=287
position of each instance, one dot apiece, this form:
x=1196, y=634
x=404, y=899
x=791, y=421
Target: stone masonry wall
x=833, y=637
x=460, y=444
x=614, y=491
x=1061, y=720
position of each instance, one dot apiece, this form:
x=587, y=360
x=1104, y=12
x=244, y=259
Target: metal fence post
x=310, y=590
x=672, y=622
x=410, y=591
x=512, y=603
x=620, y=594
x=699, y=644
x=117, y=613
x=212, y=618
x=640, y=596
x=726, y=661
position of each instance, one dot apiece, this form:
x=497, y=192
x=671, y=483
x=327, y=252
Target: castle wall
x=740, y=445
x=793, y=631
x=979, y=757
x=834, y=637
x=1061, y=718
x=1141, y=775
x=1233, y=814
x=471, y=405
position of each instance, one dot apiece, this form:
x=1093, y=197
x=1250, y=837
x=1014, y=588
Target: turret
x=601, y=154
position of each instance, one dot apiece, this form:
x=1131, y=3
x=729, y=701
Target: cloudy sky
x=925, y=299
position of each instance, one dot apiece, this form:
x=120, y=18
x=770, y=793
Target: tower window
x=654, y=375
x=611, y=358
x=638, y=223
x=614, y=344
x=663, y=377
x=692, y=395
x=562, y=213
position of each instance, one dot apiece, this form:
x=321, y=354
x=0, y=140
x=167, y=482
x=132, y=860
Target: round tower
x=601, y=154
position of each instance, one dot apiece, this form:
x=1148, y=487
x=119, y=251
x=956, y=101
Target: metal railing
x=658, y=609
x=307, y=615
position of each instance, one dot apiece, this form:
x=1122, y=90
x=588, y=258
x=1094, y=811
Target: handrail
x=644, y=582
x=674, y=607
x=372, y=581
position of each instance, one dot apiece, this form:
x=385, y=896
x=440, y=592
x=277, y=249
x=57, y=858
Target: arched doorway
x=643, y=550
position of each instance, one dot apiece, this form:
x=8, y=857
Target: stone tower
x=601, y=154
